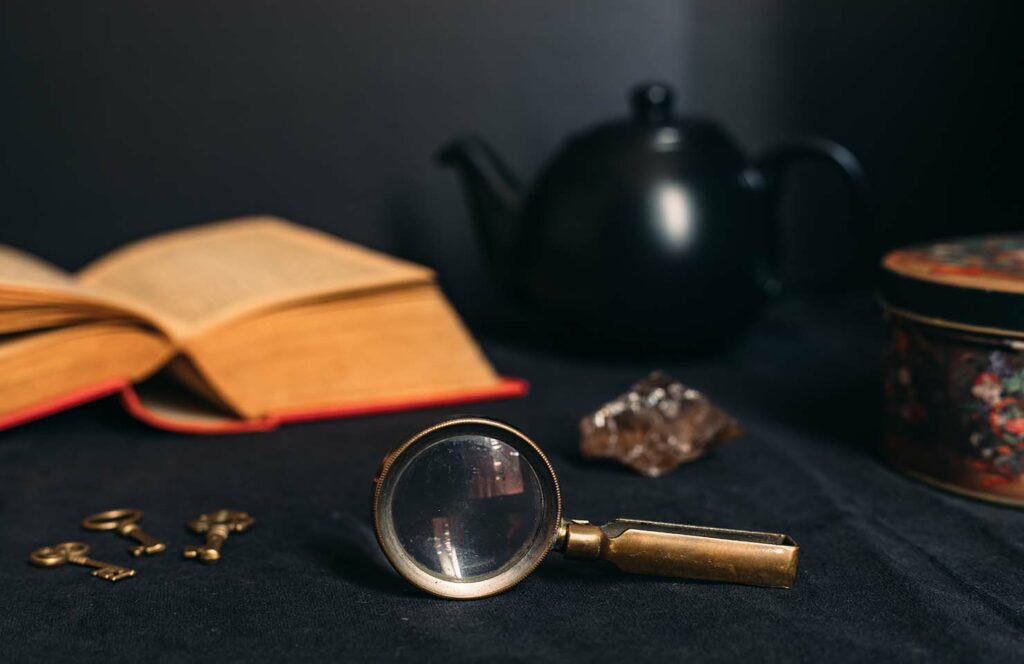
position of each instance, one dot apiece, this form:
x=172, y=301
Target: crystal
x=656, y=426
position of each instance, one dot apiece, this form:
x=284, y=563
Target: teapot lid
x=652, y=103
x=654, y=126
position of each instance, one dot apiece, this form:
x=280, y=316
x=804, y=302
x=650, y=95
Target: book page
x=35, y=294
x=392, y=345
x=18, y=268
x=40, y=368
x=197, y=278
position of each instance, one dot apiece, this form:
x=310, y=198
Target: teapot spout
x=492, y=192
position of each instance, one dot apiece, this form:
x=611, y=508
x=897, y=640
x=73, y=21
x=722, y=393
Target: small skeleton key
x=75, y=553
x=125, y=522
x=216, y=526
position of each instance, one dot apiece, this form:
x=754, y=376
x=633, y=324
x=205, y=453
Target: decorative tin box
x=954, y=365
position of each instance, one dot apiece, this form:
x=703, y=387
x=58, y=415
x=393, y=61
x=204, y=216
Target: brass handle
x=690, y=552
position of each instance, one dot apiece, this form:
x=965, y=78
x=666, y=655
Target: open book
x=233, y=326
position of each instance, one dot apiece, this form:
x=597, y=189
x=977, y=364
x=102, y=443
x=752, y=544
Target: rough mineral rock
x=656, y=426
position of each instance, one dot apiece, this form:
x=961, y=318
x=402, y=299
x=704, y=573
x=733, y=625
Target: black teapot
x=653, y=233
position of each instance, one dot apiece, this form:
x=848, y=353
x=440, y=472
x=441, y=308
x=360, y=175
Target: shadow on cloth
x=349, y=550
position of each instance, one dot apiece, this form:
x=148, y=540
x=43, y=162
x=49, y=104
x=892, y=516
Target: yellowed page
x=393, y=344
x=18, y=268
x=25, y=319
x=197, y=278
x=38, y=368
x=35, y=294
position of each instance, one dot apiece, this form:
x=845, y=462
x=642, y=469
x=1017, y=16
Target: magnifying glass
x=469, y=507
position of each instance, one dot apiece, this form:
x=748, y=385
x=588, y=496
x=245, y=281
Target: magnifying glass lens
x=466, y=507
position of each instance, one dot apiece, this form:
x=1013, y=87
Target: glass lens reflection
x=467, y=507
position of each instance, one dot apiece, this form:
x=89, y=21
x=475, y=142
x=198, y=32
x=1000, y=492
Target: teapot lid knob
x=652, y=103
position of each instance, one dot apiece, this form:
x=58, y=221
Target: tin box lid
x=972, y=283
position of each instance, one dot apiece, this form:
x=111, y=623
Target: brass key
x=75, y=553
x=216, y=526
x=126, y=523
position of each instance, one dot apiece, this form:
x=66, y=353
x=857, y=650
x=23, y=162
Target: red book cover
x=134, y=405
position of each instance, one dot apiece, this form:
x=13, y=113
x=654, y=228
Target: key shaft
x=146, y=543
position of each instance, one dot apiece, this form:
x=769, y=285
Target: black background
x=121, y=119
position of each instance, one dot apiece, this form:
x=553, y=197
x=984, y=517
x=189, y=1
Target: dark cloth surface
x=891, y=569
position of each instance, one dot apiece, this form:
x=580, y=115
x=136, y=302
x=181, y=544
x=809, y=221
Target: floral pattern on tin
x=994, y=416
x=956, y=399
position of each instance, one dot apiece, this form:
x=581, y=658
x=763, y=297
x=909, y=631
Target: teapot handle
x=773, y=166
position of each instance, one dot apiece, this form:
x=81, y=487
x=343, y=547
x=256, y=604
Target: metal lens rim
x=400, y=559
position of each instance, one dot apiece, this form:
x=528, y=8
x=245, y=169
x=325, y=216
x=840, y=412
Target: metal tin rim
x=956, y=488
x=948, y=324
x=954, y=306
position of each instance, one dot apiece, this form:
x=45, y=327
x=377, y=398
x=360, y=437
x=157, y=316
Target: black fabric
x=891, y=569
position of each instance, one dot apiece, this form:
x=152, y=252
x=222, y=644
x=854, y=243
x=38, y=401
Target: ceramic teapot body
x=655, y=233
